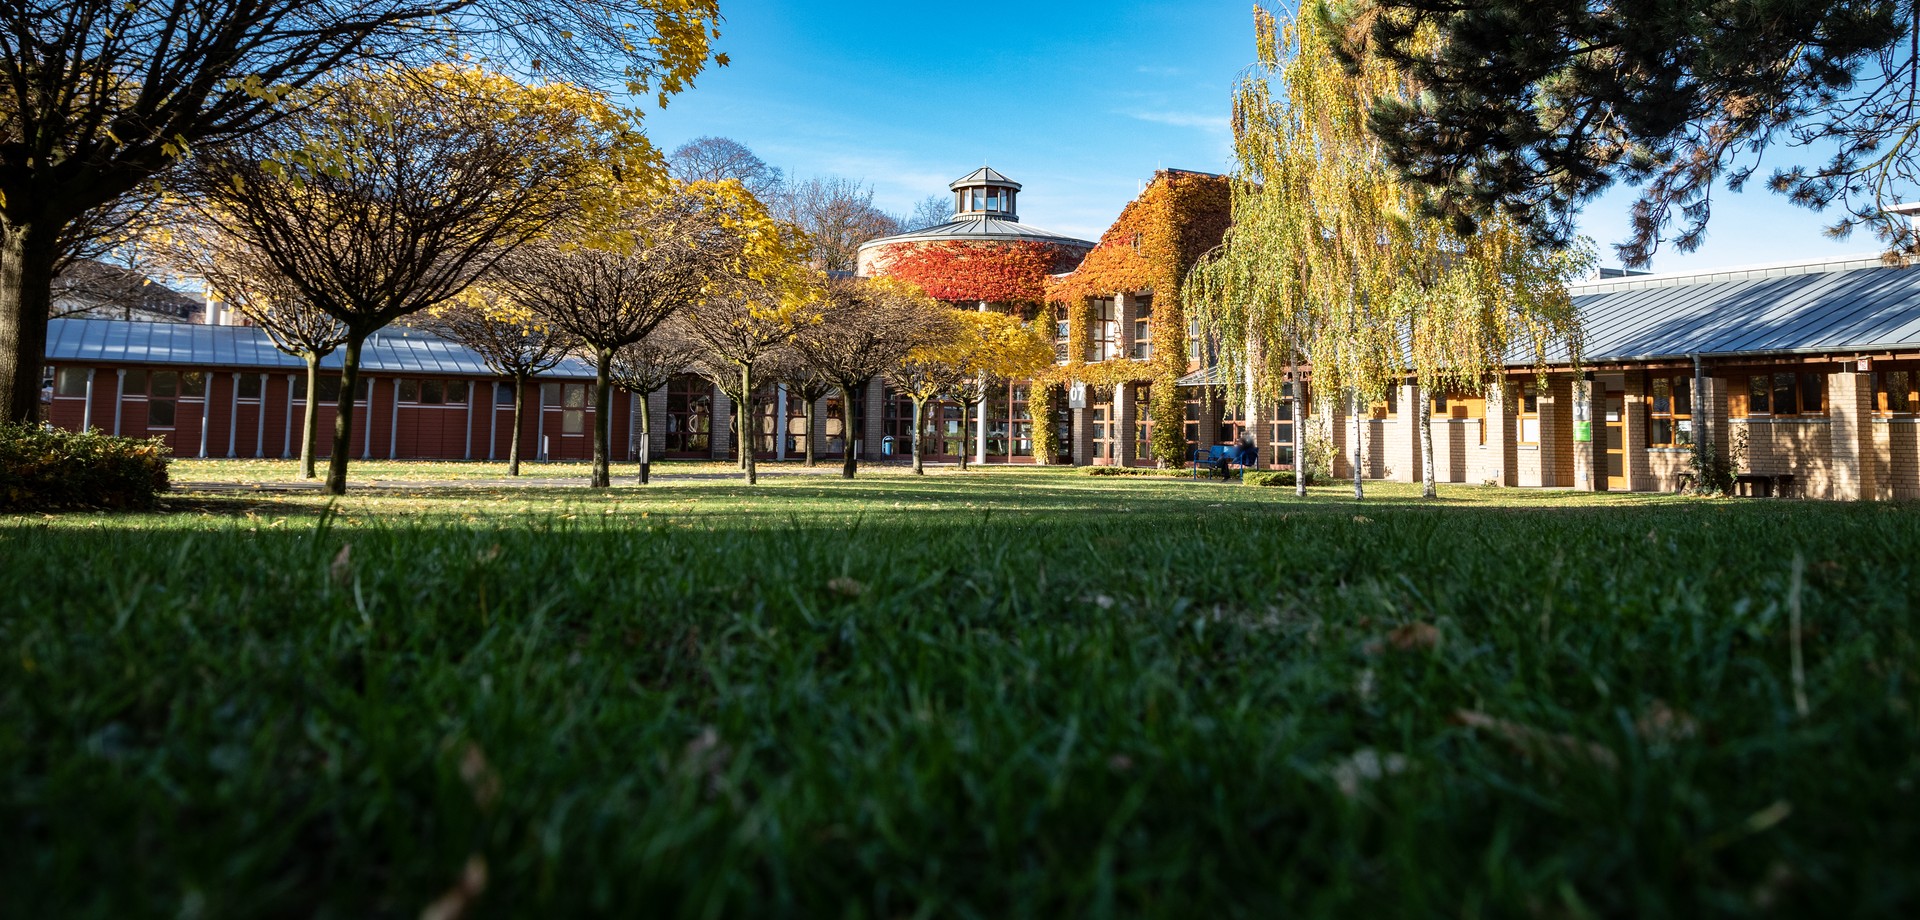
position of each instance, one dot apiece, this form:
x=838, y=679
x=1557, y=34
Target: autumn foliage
x=964, y=271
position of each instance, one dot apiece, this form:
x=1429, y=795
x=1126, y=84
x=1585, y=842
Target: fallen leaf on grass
x=1415, y=637
x=1539, y=744
x=846, y=587
x=1364, y=766
x=342, y=567
x=1362, y=519
x=489, y=554
x=460, y=898
x=1660, y=723
x=479, y=776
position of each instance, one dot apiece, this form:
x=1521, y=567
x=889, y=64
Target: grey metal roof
x=394, y=350
x=1844, y=306
x=978, y=227
x=985, y=175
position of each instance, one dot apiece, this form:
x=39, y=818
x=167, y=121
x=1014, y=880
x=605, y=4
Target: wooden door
x=1613, y=420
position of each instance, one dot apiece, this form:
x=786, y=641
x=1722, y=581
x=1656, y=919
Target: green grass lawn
x=1013, y=692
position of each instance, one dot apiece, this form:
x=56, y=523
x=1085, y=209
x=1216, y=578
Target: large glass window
x=1142, y=423
x=70, y=381
x=1894, y=390
x=1780, y=393
x=1062, y=336
x=1670, y=415
x=1105, y=331
x=248, y=386
x=689, y=415
x=1143, y=329
x=834, y=424
x=573, y=409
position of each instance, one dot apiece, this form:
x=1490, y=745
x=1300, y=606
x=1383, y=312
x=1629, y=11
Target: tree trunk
x=602, y=425
x=343, y=416
x=1300, y=438
x=646, y=438
x=311, y=423
x=918, y=414
x=808, y=425
x=1427, y=489
x=27, y=257
x=966, y=419
x=850, y=458
x=513, y=450
x=1359, y=446
x=746, y=447
x=742, y=411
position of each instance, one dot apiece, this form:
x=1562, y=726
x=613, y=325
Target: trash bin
x=886, y=446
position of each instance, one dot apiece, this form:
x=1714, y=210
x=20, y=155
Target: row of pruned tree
x=532, y=223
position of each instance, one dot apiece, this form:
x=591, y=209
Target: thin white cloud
x=1183, y=120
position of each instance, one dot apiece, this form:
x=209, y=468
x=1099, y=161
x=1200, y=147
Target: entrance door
x=1613, y=418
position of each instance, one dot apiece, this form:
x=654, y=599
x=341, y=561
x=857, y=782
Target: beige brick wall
x=1800, y=446
x=1899, y=443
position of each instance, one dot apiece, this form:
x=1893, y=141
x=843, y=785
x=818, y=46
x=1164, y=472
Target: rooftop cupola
x=985, y=193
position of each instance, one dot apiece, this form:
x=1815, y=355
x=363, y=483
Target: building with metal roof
x=985, y=210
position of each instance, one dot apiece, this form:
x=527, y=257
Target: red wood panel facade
x=262, y=414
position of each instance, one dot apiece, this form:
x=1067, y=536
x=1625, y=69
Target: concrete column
x=657, y=412
x=233, y=416
x=473, y=396
x=206, y=412
x=1499, y=433
x=1263, y=437
x=780, y=422
x=119, y=397
x=1710, y=413
x=875, y=426
x=1634, y=429
x=260, y=421
x=1403, y=447
x=393, y=425
x=366, y=416
x=1123, y=416
x=1587, y=412
x=980, y=431
x=1850, y=414
x=721, y=429
x=1556, y=432
x=1082, y=437
x=493, y=419
x=286, y=441
x=86, y=411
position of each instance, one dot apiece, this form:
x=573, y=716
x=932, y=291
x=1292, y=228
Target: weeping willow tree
x=1331, y=262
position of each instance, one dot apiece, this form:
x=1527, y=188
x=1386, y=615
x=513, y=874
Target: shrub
x=1128, y=471
x=48, y=469
x=1276, y=478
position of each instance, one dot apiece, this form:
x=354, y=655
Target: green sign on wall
x=1583, y=431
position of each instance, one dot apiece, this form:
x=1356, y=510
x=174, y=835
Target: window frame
x=1678, y=418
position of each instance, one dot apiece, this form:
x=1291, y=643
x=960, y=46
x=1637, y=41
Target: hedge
x=51, y=469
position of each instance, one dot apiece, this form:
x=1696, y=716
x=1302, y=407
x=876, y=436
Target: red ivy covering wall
x=967, y=271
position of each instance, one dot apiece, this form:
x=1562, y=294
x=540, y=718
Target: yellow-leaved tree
x=513, y=341
x=1331, y=261
x=986, y=347
x=391, y=190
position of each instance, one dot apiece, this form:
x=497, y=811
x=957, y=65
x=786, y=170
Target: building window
x=573, y=409
x=1528, y=413
x=437, y=392
x=1280, y=440
x=835, y=425
x=1102, y=432
x=1143, y=329
x=1671, y=415
x=248, y=387
x=1062, y=334
x=70, y=381
x=689, y=415
x=1104, y=342
x=1894, y=391
x=329, y=389
x=1780, y=393
x=1142, y=422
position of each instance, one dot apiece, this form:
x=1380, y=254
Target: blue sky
x=1079, y=101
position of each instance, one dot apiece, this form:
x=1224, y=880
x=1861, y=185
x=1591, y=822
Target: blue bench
x=1209, y=458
